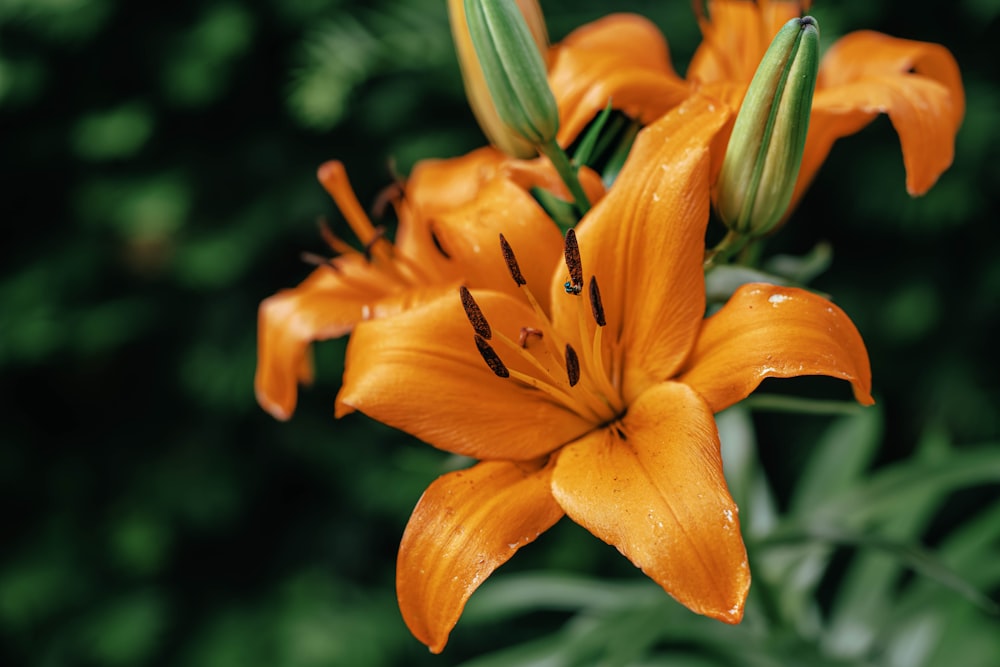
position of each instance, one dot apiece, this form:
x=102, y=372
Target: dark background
x=158, y=180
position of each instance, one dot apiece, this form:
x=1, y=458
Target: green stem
x=750, y=254
x=730, y=244
x=557, y=156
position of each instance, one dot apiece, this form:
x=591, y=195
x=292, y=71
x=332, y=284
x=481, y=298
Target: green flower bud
x=762, y=160
x=513, y=68
x=475, y=83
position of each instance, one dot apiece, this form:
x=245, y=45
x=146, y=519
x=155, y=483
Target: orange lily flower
x=596, y=402
x=625, y=58
x=449, y=211
x=863, y=74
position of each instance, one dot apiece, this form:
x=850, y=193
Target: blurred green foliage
x=158, y=182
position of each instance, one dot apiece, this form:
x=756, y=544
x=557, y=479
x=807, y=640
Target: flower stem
x=567, y=172
x=731, y=243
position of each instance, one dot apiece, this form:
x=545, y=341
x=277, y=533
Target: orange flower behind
x=625, y=58
x=862, y=75
x=597, y=400
x=448, y=212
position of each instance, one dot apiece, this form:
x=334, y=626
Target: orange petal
x=768, y=331
x=438, y=185
x=653, y=487
x=917, y=84
x=327, y=304
x=622, y=58
x=466, y=525
x=470, y=235
x=734, y=39
x=540, y=173
x=421, y=372
x=645, y=243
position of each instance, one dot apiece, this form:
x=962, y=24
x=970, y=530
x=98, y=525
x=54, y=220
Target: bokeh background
x=158, y=180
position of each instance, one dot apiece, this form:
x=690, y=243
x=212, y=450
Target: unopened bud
x=504, y=71
x=762, y=160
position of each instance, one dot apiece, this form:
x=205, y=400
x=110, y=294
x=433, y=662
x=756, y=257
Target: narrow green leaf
x=895, y=488
x=585, y=151
x=917, y=558
x=562, y=212
x=802, y=269
x=837, y=461
x=506, y=596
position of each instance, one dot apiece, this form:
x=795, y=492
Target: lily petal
x=653, y=487
x=327, y=304
x=644, y=243
x=466, y=525
x=735, y=36
x=470, y=235
x=420, y=372
x=434, y=188
x=622, y=58
x=768, y=331
x=437, y=185
x=917, y=84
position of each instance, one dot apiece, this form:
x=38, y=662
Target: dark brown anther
x=527, y=332
x=475, y=315
x=572, y=366
x=491, y=358
x=574, y=264
x=508, y=256
x=596, y=306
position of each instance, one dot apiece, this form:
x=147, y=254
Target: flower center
x=577, y=379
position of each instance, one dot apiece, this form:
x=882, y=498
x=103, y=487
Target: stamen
x=336, y=245
x=574, y=264
x=560, y=396
x=572, y=365
x=508, y=256
x=318, y=260
x=475, y=315
x=526, y=332
x=596, y=306
x=491, y=358
x=333, y=176
x=390, y=194
x=379, y=235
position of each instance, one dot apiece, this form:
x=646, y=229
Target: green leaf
x=802, y=269
x=894, y=489
x=562, y=212
x=585, y=151
x=506, y=596
x=839, y=458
